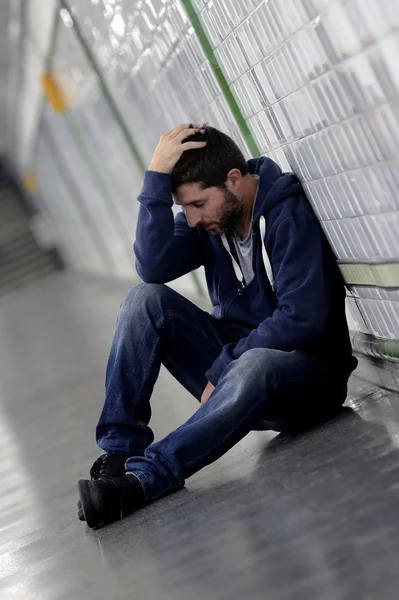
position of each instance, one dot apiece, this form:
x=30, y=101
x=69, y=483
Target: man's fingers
x=187, y=132
x=176, y=130
x=192, y=145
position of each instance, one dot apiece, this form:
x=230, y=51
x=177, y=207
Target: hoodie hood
x=274, y=185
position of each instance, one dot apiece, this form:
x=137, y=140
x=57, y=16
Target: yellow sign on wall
x=30, y=182
x=53, y=93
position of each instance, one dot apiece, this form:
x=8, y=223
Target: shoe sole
x=89, y=513
x=80, y=511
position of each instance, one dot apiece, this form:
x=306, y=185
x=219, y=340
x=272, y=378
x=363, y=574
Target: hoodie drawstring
x=236, y=266
x=266, y=261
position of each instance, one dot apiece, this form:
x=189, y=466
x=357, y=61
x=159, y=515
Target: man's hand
x=170, y=148
x=207, y=392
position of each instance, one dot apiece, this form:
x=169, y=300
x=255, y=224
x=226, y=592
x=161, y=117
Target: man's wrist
x=156, y=185
x=158, y=169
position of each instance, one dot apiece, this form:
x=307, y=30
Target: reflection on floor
x=281, y=517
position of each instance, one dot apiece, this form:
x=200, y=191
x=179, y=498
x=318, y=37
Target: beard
x=229, y=213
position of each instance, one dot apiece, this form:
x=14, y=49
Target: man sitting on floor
x=274, y=353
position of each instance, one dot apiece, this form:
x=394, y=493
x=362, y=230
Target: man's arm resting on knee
x=303, y=287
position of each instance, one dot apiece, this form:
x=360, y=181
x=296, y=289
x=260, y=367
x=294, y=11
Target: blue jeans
x=263, y=389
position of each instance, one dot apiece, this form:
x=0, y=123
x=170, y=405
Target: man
x=274, y=354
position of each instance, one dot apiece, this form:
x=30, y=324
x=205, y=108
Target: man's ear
x=233, y=179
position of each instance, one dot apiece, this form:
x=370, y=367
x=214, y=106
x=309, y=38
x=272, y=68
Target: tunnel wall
x=312, y=84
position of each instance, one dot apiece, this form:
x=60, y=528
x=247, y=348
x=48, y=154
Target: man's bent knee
x=259, y=361
x=143, y=294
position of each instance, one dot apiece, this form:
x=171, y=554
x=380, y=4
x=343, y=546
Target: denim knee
x=258, y=362
x=142, y=295
x=257, y=369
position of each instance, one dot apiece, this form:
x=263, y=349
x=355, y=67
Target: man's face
x=214, y=209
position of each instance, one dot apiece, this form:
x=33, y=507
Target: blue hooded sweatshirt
x=296, y=299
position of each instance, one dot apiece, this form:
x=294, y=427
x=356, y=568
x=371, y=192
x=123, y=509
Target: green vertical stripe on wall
x=231, y=101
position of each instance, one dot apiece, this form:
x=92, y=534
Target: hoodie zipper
x=238, y=293
x=241, y=286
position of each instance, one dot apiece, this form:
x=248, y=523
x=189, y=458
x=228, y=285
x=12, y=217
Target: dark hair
x=209, y=165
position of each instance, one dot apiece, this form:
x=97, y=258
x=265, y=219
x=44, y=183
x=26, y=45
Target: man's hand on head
x=170, y=147
x=207, y=392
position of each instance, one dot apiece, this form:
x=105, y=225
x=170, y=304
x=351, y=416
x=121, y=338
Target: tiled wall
x=153, y=61
x=317, y=83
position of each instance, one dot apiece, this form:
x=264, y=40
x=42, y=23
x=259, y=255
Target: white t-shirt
x=245, y=247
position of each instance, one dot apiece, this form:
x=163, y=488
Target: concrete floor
x=313, y=516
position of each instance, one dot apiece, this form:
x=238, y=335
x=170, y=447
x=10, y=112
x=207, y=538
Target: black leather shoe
x=107, y=500
x=105, y=466
x=108, y=465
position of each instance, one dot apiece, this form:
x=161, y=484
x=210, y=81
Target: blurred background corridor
x=86, y=89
